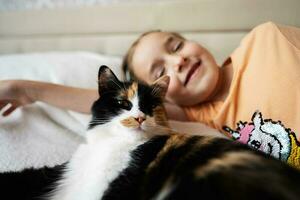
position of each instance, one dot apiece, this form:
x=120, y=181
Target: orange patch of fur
x=175, y=140
x=132, y=90
x=160, y=116
x=226, y=161
x=123, y=94
x=205, y=141
x=130, y=122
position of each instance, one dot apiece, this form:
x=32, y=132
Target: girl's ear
x=162, y=85
x=107, y=79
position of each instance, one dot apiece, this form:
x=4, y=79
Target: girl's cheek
x=172, y=89
x=194, y=48
x=174, y=86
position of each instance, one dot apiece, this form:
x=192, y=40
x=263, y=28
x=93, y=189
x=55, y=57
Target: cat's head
x=130, y=105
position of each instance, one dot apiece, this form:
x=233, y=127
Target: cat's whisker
x=124, y=86
x=94, y=122
x=99, y=120
x=157, y=127
x=159, y=122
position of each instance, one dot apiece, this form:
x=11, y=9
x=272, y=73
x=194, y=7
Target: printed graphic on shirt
x=268, y=136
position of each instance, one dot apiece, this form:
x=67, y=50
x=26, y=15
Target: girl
x=260, y=79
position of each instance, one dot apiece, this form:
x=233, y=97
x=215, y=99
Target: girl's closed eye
x=159, y=72
x=177, y=46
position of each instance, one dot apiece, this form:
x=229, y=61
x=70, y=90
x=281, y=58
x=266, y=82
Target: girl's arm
x=22, y=92
x=175, y=112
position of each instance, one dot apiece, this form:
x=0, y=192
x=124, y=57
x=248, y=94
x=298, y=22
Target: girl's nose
x=179, y=62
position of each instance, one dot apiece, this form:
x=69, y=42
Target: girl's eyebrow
x=168, y=41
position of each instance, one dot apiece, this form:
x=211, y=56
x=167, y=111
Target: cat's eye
x=153, y=106
x=125, y=104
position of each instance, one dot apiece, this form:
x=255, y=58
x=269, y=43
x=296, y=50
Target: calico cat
x=131, y=153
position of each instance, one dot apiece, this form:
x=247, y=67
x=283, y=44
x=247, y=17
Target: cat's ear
x=162, y=84
x=107, y=79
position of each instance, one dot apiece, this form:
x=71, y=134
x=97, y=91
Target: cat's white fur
x=100, y=160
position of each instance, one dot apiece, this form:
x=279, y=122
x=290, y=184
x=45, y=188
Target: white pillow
x=79, y=69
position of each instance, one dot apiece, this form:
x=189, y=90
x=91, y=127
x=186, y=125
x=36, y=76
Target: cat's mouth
x=192, y=71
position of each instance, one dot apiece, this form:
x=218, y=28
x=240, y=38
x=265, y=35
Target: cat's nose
x=140, y=119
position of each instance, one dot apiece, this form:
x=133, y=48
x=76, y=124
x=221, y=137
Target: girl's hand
x=13, y=92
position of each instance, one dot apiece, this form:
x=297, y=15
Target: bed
x=50, y=42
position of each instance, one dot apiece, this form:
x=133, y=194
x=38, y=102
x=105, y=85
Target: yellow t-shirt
x=264, y=94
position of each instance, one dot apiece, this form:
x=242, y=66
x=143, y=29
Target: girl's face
x=192, y=69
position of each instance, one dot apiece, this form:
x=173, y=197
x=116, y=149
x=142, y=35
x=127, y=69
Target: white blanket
x=42, y=135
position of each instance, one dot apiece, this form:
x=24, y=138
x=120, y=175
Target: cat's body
x=130, y=153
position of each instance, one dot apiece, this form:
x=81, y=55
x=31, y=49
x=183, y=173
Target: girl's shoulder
x=262, y=30
x=290, y=33
x=285, y=33
x=265, y=26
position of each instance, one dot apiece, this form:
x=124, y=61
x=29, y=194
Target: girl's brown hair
x=126, y=64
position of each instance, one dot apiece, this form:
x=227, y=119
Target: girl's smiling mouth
x=192, y=71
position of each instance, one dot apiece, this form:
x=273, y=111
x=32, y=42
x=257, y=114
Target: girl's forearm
x=71, y=98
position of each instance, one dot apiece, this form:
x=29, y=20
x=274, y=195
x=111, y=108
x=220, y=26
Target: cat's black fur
x=29, y=184
x=194, y=167
x=269, y=179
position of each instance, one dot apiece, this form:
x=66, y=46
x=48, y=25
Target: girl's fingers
x=8, y=106
x=3, y=104
x=8, y=111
